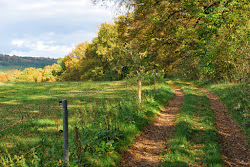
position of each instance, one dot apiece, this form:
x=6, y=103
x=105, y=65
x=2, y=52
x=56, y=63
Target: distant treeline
x=20, y=63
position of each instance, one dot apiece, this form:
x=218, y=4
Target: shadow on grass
x=175, y=164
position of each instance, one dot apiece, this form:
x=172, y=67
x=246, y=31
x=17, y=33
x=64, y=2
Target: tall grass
x=103, y=120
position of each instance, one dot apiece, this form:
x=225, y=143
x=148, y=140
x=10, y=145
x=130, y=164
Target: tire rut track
x=147, y=147
x=235, y=150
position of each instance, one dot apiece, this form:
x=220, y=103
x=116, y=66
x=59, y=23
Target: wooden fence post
x=139, y=90
x=156, y=76
x=65, y=132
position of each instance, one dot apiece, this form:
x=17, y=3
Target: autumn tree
x=72, y=62
x=198, y=39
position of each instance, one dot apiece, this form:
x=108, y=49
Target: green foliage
x=207, y=40
x=29, y=74
x=146, y=80
x=59, y=68
x=35, y=75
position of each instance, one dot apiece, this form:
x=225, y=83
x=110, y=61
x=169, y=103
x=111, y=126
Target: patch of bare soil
x=147, y=147
x=234, y=146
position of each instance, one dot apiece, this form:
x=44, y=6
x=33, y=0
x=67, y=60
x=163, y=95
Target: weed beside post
x=78, y=144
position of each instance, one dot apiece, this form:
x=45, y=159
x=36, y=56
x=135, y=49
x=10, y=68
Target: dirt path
x=147, y=147
x=234, y=147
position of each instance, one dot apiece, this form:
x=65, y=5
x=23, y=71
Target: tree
x=188, y=36
x=72, y=62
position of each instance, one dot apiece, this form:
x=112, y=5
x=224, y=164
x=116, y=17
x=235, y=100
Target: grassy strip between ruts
x=195, y=141
x=103, y=121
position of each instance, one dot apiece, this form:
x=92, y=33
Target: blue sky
x=48, y=28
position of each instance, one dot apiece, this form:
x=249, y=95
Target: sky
x=48, y=28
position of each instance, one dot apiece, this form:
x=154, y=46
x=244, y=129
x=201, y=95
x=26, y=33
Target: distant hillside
x=15, y=62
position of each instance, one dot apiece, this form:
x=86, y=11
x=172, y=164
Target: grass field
x=103, y=120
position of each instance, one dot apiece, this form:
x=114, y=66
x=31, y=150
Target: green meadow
x=104, y=118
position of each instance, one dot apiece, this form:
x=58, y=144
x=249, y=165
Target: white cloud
x=17, y=42
x=23, y=10
x=48, y=44
x=48, y=28
x=40, y=48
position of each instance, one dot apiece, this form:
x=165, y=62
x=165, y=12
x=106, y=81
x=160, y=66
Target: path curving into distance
x=147, y=147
